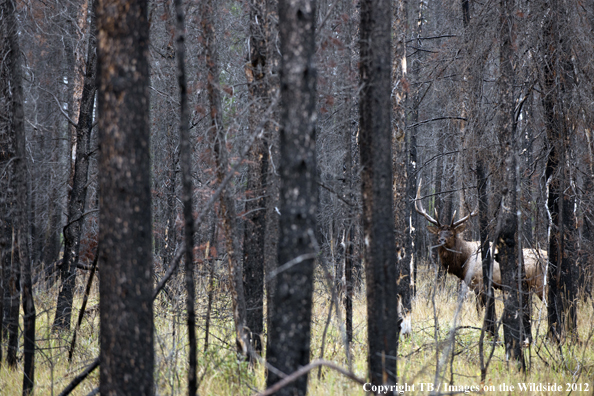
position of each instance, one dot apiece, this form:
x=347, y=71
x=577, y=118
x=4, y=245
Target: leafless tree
x=289, y=333
x=376, y=190
x=126, y=286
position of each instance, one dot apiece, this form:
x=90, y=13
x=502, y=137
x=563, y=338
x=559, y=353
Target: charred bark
x=171, y=201
x=187, y=192
x=256, y=196
x=349, y=184
x=7, y=193
x=78, y=193
x=488, y=295
x=400, y=156
x=441, y=203
x=289, y=333
x=378, y=220
x=507, y=241
x=272, y=178
x=512, y=322
x=21, y=258
x=562, y=272
x=15, y=160
x=125, y=222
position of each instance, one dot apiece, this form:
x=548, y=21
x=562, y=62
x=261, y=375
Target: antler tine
x=462, y=220
x=419, y=206
x=453, y=217
x=436, y=217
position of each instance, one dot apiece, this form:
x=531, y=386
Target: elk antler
x=453, y=217
x=419, y=207
x=463, y=219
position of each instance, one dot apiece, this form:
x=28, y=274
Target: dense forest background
x=274, y=150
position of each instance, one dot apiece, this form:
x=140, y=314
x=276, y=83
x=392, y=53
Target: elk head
x=446, y=234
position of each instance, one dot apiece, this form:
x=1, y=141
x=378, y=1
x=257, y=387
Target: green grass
x=220, y=373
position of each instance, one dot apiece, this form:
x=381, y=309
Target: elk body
x=534, y=266
x=462, y=258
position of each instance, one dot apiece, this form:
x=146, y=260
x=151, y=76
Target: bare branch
x=60, y=107
x=436, y=119
x=170, y=271
x=80, y=378
x=306, y=369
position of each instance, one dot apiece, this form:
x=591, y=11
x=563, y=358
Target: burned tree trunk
x=18, y=205
x=508, y=241
x=289, y=333
x=187, y=192
x=562, y=271
x=23, y=205
x=488, y=295
x=272, y=178
x=78, y=194
x=400, y=164
x=125, y=222
x=14, y=179
x=256, y=196
x=348, y=190
x=376, y=176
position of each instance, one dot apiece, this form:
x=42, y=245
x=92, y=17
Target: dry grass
x=221, y=374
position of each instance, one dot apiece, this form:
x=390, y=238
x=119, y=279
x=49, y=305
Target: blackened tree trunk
x=415, y=242
x=76, y=25
x=349, y=256
x=228, y=213
x=508, y=241
x=24, y=227
x=400, y=163
x=440, y=204
x=512, y=321
x=528, y=206
x=125, y=229
x=255, y=207
x=21, y=240
x=185, y=152
x=69, y=26
x=12, y=291
x=171, y=202
x=376, y=177
x=563, y=269
x=13, y=214
x=586, y=275
x=348, y=165
x=6, y=188
x=557, y=80
x=212, y=233
x=78, y=193
x=29, y=313
x=289, y=334
x=272, y=178
x=568, y=276
x=488, y=295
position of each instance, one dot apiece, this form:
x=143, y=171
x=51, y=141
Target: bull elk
x=462, y=258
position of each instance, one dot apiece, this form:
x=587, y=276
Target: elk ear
x=433, y=230
x=460, y=228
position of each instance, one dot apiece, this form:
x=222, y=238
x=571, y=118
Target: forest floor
x=552, y=369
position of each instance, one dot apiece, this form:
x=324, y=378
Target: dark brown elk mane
x=459, y=259
x=462, y=258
